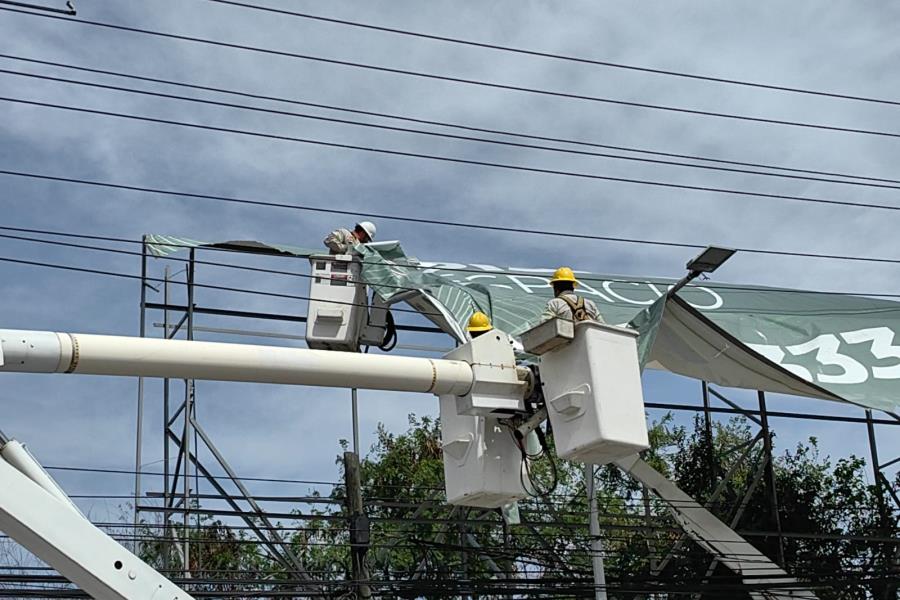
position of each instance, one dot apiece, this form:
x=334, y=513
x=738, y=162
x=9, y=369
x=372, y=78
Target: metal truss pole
x=876, y=466
x=770, y=472
x=707, y=428
x=188, y=410
x=293, y=561
x=139, y=428
x=166, y=496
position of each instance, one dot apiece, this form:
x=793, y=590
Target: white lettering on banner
x=776, y=355
x=432, y=267
x=826, y=348
x=525, y=287
x=490, y=268
x=585, y=289
x=717, y=299
x=882, y=339
x=520, y=282
x=471, y=279
x=655, y=289
x=607, y=285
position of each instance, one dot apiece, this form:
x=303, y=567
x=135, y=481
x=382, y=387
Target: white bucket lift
x=592, y=388
x=482, y=464
x=338, y=303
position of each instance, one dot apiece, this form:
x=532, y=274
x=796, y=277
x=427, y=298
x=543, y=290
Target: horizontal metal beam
x=222, y=312
x=785, y=415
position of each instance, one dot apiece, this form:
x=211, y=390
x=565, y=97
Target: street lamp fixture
x=710, y=259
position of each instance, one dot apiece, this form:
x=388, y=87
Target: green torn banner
x=821, y=345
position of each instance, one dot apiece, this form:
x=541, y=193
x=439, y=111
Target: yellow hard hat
x=479, y=322
x=564, y=274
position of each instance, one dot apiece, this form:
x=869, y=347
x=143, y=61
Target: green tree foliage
x=422, y=548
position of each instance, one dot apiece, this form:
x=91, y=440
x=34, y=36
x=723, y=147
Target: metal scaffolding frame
x=183, y=437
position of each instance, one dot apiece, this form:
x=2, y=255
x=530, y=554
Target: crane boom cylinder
x=48, y=352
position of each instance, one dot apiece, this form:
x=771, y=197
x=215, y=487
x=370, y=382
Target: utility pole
x=359, y=526
x=596, y=542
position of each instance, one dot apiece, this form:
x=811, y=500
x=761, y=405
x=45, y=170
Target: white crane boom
x=38, y=515
x=49, y=352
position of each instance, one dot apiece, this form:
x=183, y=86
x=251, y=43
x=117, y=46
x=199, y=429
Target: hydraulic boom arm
x=48, y=352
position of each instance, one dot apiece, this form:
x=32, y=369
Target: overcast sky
x=273, y=431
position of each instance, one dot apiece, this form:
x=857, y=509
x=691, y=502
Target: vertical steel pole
x=876, y=471
x=166, y=498
x=188, y=407
x=355, y=411
x=596, y=543
x=707, y=428
x=770, y=472
x=139, y=429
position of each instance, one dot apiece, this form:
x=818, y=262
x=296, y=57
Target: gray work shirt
x=557, y=308
x=341, y=241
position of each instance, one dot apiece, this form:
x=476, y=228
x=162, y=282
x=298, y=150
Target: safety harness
x=579, y=313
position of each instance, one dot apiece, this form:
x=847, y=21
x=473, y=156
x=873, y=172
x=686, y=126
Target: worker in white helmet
x=565, y=304
x=342, y=241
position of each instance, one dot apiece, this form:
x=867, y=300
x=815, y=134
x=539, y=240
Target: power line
x=544, y=138
x=69, y=11
x=423, y=221
x=638, y=241
x=450, y=159
x=397, y=287
x=50, y=265
x=461, y=80
x=436, y=222
x=152, y=474
x=731, y=288
x=438, y=134
x=33, y=263
x=563, y=57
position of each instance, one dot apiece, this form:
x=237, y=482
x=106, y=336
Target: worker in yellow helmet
x=479, y=324
x=565, y=303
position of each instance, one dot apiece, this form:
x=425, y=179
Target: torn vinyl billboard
x=822, y=345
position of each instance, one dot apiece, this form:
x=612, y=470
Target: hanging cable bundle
x=390, y=334
x=534, y=402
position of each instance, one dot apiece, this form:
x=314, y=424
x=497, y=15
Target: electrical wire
x=498, y=271
x=459, y=80
x=503, y=132
x=34, y=263
x=307, y=276
x=730, y=288
x=563, y=57
x=437, y=134
x=68, y=11
x=424, y=221
x=451, y=159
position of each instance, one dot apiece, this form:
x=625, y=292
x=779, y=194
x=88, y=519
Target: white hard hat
x=368, y=227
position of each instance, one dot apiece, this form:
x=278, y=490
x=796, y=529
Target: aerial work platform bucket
x=482, y=464
x=338, y=304
x=591, y=381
